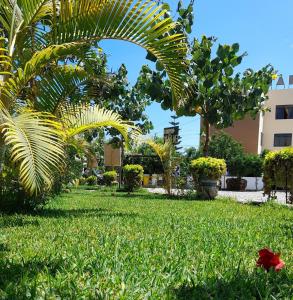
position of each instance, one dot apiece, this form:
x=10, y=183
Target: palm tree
x=166, y=153
x=35, y=35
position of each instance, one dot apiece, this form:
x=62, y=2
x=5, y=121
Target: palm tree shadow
x=157, y=196
x=257, y=285
x=82, y=213
x=12, y=274
x=16, y=221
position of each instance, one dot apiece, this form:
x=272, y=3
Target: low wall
x=253, y=183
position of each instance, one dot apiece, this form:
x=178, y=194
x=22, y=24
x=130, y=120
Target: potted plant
x=206, y=172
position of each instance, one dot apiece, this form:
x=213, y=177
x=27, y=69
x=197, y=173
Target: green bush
x=222, y=145
x=248, y=165
x=133, y=176
x=278, y=172
x=12, y=195
x=253, y=165
x=91, y=180
x=207, y=168
x=109, y=177
x=82, y=181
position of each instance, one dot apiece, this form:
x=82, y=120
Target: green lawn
x=100, y=245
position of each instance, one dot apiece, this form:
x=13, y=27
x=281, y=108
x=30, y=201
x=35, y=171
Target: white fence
x=253, y=183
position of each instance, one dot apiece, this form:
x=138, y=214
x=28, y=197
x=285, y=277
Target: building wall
x=272, y=126
x=258, y=135
x=245, y=132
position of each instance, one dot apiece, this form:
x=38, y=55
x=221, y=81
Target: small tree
x=133, y=176
x=169, y=159
x=219, y=96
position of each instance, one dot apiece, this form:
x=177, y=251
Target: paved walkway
x=243, y=197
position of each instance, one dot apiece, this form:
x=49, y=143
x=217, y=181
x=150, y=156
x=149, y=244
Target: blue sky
x=263, y=28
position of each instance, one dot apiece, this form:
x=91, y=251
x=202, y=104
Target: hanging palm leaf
x=35, y=146
x=142, y=22
x=80, y=118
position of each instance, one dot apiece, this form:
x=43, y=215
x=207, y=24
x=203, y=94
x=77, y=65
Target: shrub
x=207, y=168
x=248, y=165
x=253, y=165
x=82, y=181
x=91, y=180
x=12, y=195
x=109, y=177
x=278, y=172
x=133, y=176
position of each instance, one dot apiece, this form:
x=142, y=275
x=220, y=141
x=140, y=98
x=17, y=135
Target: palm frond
x=33, y=10
x=35, y=145
x=63, y=84
x=138, y=21
x=80, y=118
x=33, y=67
x=10, y=16
x=162, y=150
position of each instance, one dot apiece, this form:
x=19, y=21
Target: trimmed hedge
x=207, y=168
x=109, y=177
x=278, y=172
x=133, y=176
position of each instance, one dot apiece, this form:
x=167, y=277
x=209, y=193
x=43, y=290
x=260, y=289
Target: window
x=284, y=112
x=282, y=140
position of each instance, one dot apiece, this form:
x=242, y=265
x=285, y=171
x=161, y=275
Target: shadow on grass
x=20, y=220
x=86, y=212
x=259, y=285
x=153, y=196
x=12, y=274
x=16, y=221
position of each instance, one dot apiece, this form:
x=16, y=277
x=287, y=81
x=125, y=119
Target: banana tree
x=35, y=36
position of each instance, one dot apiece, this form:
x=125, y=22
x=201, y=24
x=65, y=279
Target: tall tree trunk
x=207, y=138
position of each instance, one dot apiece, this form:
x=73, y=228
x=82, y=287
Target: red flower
x=268, y=259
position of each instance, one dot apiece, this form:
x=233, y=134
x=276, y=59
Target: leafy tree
x=215, y=92
x=192, y=153
x=222, y=145
x=36, y=40
x=219, y=96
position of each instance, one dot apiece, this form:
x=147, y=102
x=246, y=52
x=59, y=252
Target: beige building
x=272, y=130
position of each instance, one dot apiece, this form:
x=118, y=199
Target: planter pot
x=208, y=189
x=236, y=184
